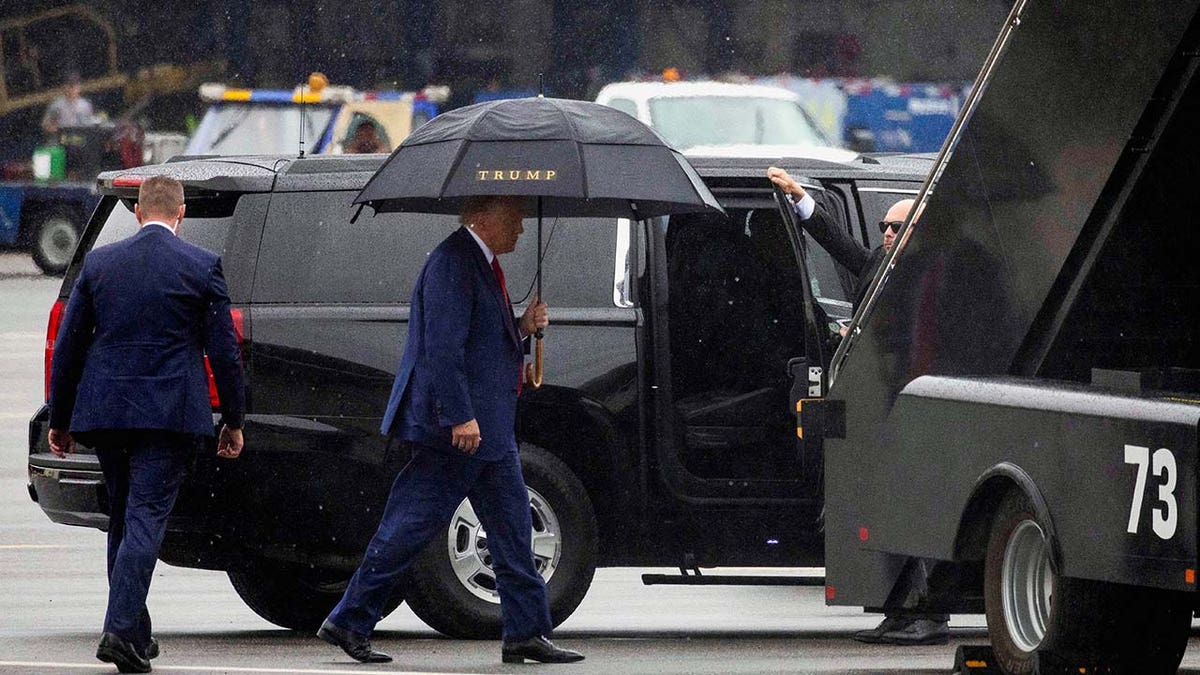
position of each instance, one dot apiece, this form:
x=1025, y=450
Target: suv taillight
x=56, y=315
x=239, y=328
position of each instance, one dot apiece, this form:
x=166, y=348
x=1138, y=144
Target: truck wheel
x=53, y=238
x=452, y=585
x=1033, y=614
x=294, y=596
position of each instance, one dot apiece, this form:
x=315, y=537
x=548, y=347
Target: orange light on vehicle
x=56, y=317
x=128, y=181
x=239, y=328
x=830, y=593
x=1189, y=576
x=671, y=74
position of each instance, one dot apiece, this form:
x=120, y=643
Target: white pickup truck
x=725, y=119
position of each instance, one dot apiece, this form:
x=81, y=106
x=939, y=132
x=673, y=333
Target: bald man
x=830, y=232
x=903, y=625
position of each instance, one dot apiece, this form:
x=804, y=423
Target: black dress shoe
x=918, y=631
x=537, y=649
x=357, y=646
x=889, y=624
x=121, y=653
x=152, y=649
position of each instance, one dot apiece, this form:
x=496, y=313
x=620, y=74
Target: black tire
x=53, y=236
x=294, y=596
x=448, y=605
x=1088, y=624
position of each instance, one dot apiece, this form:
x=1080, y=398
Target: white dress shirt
x=158, y=222
x=487, y=252
x=805, y=207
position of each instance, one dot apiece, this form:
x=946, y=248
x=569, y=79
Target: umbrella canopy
x=580, y=158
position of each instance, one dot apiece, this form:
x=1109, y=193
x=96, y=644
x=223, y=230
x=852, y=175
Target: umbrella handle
x=533, y=371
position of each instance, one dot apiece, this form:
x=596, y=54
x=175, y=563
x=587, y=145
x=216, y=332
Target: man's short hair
x=160, y=196
x=476, y=204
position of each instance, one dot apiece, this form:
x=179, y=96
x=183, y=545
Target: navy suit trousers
x=142, y=471
x=422, y=499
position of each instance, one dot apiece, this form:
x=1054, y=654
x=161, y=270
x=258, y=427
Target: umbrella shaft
x=539, y=252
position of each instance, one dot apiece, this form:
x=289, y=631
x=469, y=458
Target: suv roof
x=246, y=173
x=264, y=173
x=909, y=166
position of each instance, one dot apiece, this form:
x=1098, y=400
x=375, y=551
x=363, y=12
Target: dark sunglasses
x=894, y=224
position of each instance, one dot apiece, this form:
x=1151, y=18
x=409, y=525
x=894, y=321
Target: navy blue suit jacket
x=130, y=349
x=463, y=356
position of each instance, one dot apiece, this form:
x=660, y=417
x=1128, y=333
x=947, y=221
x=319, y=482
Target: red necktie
x=500, y=277
x=504, y=289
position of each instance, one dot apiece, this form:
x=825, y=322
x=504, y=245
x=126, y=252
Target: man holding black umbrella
x=454, y=400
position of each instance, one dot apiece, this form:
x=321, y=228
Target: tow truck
x=315, y=117
x=1017, y=404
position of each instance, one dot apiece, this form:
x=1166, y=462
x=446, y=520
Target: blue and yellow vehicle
x=324, y=116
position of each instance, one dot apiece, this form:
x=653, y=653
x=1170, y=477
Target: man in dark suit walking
x=128, y=379
x=455, y=400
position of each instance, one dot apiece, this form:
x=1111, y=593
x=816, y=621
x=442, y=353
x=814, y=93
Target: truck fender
x=970, y=541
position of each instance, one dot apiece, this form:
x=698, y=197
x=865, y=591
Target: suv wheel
x=294, y=596
x=53, y=237
x=452, y=585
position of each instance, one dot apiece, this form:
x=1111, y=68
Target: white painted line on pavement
x=160, y=667
x=14, y=547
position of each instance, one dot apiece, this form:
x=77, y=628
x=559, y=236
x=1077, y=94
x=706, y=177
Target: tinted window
x=209, y=229
x=827, y=284
x=311, y=253
x=579, y=258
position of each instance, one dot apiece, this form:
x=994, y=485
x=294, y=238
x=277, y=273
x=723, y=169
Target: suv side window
x=831, y=284
x=577, y=266
x=311, y=253
x=208, y=230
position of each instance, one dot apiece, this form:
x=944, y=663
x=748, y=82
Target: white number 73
x=1165, y=517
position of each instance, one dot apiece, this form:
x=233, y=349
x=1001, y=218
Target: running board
x=728, y=580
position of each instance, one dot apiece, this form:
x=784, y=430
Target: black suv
x=664, y=434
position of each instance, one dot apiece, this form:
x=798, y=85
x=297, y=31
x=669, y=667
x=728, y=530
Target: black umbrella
x=574, y=158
